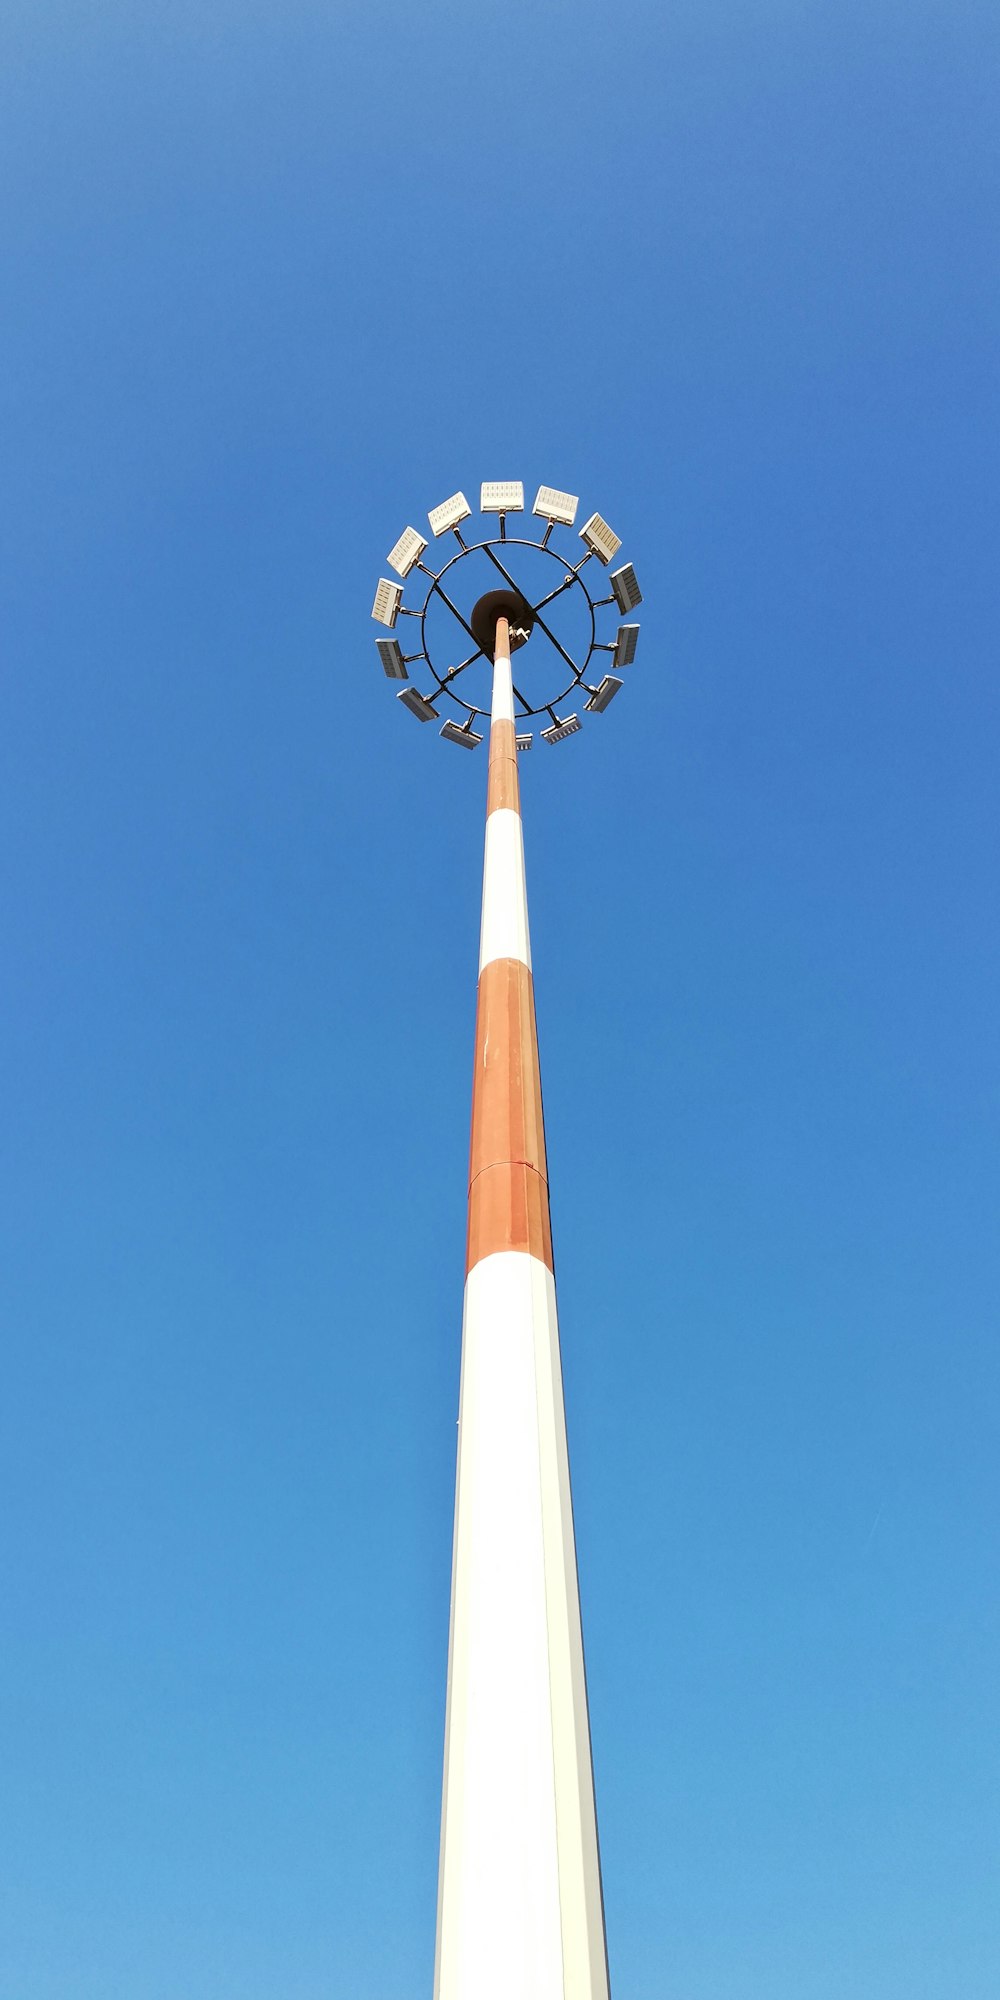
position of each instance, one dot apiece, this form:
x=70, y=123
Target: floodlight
x=408, y=550
x=601, y=695
x=625, y=645
x=522, y=742
x=454, y=733
x=600, y=539
x=625, y=585
x=390, y=653
x=388, y=598
x=449, y=514
x=565, y=726
x=417, y=704
x=551, y=505
x=501, y=496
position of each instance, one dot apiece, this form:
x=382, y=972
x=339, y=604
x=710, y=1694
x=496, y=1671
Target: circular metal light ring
x=446, y=681
x=507, y=498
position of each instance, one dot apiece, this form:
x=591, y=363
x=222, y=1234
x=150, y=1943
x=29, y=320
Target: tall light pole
x=520, y=1910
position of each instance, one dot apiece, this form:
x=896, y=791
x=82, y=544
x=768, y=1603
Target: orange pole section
x=508, y=1178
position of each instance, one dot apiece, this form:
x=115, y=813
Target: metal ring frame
x=572, y=576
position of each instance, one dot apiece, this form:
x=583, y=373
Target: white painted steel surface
x=501, y=496
x=388, y=598
x=503, y=693
x=553, y=505
x=504, y=932
x=519, y=1912
x=599, y=537
x=407, y=551
x=449, y=515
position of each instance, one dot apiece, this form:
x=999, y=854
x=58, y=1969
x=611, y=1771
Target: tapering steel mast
x=520, y=1908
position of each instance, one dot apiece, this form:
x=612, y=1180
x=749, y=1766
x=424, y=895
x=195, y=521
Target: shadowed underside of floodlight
x=417, y=704
x=625, y=645
x=566, y=725
x=598, y=701
x=625, y=585
x=390, y=653
x=455, y=732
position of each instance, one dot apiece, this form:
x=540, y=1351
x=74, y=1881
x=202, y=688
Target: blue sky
x=275, y=281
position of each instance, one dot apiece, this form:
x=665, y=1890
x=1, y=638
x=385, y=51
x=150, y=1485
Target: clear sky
x=275, y=280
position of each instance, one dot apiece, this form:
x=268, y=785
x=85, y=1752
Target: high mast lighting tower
x=520, y=1908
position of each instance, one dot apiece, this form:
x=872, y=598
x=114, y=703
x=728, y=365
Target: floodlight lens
x=565, y=725
x=449, y=514
x=625, y=585
x=391, y=655
x=408, y=550
x=600, y=539
x=501, y=496
x=522, y=742
x=551, y=505
x=606, y=692
x=388, y=598
x=454, y=733
x=625, y=645
x=417, y=704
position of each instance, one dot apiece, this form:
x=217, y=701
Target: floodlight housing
x=597, y=702
x=625, y=645
x=501, y=496
x=388, y=598
x=417, y=704
x=566, y=725
x=449, y=514
x=551, y=505
x=454, y=733
x=522, y=742
x=625, y=585
x=408, y=550
x=600, y=539
x=390, y=653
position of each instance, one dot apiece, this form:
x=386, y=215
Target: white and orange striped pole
x=520, y=1913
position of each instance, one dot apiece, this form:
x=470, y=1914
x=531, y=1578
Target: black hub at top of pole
x=496, y=604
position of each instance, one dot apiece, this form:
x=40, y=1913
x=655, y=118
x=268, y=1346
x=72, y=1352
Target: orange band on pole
x=507, y=1088
x=509, y=1210
x=508, y=1181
